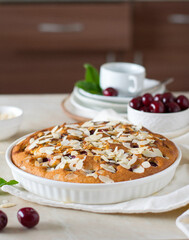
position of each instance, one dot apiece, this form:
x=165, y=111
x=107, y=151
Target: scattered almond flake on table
x=7, y=205
x=105, y=179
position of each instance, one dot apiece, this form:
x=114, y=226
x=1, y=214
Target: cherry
x=158, y=97
x=157, y=107
x=28, y=217
x=3, y=220
x=167, y=97
x=183, y=102
x=144, y=109
x=136, y=103
x=172, y=107
x=147, y=99
x=110, y=92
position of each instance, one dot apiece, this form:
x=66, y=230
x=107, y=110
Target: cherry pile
x=27, y=216
x=160, y=103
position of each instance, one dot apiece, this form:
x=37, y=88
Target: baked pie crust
x=94, y=152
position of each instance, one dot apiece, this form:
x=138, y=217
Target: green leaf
x=91, y=74
x=89, y=87
x=4, y=182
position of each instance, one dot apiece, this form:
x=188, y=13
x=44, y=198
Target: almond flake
x=146, y=164
x=60, y=165
x=79, y=164
x=105, y=158
x=92, y=175
x=56, y=135
x=155, y=152
x=105, y=179
x=54, y=129
x=47, y=150
x=105, y=138
x=93, y=138
x=108, y=168
x=7, y=205
x=138, y=169
x=88, y=124
x=127, y=166
x=133, y=159
x=74, y=132
x=31, y=140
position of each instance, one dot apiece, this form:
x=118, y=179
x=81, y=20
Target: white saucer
x=77, y=97
x=74, y=108
x=147, y=84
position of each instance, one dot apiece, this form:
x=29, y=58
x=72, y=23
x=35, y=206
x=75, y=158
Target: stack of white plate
x=87, y=105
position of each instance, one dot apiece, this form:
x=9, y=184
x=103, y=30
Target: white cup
x=126, y=78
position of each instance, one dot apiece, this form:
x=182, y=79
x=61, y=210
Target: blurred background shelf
x=43, y=45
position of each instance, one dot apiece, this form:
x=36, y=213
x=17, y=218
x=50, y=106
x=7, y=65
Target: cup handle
x=134, y=87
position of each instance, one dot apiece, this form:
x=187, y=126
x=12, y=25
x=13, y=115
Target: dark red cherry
x=157, y=107
x=183, y=102
x=167, y=97
x=3, y=220
x=147, y=99
x=158, y=97
x=28, y=217
x=110, y=92
x=172, y=107
x=136, y=103
x=145, y=109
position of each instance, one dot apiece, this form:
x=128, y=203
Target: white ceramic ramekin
x=159, y=122
x=9, y=127
x=91, y=193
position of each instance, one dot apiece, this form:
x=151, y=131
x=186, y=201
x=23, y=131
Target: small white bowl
x=10, y=126
x=87, y=193
x=159, y=122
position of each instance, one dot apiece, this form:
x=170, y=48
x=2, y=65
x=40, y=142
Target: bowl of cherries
x=162, y=113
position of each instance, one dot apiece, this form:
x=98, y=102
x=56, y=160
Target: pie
x=94, y=152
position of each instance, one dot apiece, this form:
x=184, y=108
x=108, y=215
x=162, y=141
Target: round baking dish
x=84, y=193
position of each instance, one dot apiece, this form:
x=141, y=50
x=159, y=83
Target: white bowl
x=91, y=193
x=159, y=122
x=9, y=127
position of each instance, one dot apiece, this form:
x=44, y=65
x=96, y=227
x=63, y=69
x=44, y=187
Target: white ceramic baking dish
x=91, y=193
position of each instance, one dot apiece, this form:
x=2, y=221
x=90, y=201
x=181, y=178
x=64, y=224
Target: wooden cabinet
x=43, y=46
x=161, y=40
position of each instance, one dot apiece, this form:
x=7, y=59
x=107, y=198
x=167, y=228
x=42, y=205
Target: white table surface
x=42, y=111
